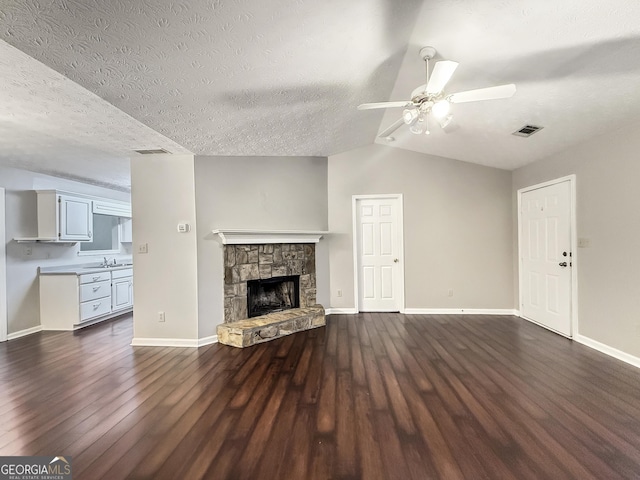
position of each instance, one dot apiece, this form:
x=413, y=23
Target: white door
x=546, y=257
x=379, y=251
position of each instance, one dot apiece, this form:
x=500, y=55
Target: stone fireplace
x=252, y=263
x=269, y=285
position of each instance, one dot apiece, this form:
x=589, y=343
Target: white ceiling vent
x=527, y=131
x=151, y=152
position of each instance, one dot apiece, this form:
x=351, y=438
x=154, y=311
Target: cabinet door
x=121, y=293
x=76, y=218
x=126, y=230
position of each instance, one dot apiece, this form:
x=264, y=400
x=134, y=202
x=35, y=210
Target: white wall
x=607, y=172
x=23, y=305
x=3, y=274
x=165, y=278
x=457, y=226
x=269, y=193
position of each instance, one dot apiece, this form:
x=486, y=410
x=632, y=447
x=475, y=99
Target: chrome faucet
x=106, y=262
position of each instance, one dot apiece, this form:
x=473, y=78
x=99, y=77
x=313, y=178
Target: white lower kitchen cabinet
x=121, y=290
x=71, y=301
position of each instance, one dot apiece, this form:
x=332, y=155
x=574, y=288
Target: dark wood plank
x=371, y=396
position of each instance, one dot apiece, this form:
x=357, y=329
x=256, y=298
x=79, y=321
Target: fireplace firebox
x=272, y=295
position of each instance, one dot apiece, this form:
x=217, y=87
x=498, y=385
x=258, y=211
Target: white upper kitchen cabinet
x=64, y=217
x=76, y=218
x=126, y=230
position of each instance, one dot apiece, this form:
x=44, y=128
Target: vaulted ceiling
x=84, y=82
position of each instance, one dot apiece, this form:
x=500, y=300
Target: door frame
x=573, y=307
x=354, y=221
x=3, y=271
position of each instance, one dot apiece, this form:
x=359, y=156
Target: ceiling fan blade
x=391, y=128
x=371, y=106
x=440, y=76
x=490, y=93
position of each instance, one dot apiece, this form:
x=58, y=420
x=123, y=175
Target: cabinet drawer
x=91, y=291
x=127, y=272
x=94, y=277
x=95, y=308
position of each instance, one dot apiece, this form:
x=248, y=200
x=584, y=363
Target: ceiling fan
x=431, y=99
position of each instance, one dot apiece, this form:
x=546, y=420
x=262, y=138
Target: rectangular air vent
x=527, y=131
x=151, y=152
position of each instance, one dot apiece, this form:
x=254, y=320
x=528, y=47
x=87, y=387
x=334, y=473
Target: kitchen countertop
x=80, y=269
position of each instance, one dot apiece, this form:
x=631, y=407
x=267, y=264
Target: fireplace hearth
x=269, y=292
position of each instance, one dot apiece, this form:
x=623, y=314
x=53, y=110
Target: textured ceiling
x=276, y=77
x=50, y=124
x=226, y=77
x=575, y=63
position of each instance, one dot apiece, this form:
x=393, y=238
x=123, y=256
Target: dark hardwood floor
x=371, y=396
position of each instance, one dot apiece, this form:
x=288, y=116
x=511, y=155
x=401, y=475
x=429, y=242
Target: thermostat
x=184, y=227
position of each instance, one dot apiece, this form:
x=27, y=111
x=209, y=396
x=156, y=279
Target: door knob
x=395, y=260
x=563, y=264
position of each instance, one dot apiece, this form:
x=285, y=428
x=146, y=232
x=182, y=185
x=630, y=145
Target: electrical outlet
x=161, y=316
x=450, y=293
x=339, y=292
x=143, y=248
x=28, y=250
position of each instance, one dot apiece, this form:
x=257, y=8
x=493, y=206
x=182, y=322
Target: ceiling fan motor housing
x=427, y=53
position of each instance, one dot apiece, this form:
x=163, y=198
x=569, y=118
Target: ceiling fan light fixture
x=409, y=116
x=419, y=125
x=441, y=109
x=444, y=123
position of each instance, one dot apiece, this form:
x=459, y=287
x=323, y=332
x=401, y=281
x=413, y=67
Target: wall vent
x=527, y=131
x=152, y=151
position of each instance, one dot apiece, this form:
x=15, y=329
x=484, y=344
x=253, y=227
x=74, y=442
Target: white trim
x=112, y=207
x=354, y=241
x=458, y=311
x=574, y=246
x=207, y=340
x=24, y=333
x=607, y=350
x=545, y=327
x=341, y=311
x=253, y=237
x=164, y=342
x=4, y=326
x=174, y=342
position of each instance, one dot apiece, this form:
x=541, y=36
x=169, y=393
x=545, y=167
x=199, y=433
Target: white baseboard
x=459, y=311
x=174, y=342
x=340, y=311
x=207, y=340
x=164, y=342
x=24, y=333
x=607, y=350
x=435, y=311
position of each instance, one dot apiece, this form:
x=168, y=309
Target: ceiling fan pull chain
x=425, y=85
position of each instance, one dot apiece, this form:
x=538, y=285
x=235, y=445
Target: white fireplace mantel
x=246, y=237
